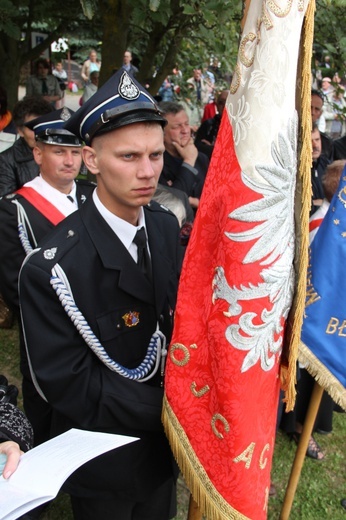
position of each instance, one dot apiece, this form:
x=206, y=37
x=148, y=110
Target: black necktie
x=143, y=260
x=44, y=87
x=70, y=198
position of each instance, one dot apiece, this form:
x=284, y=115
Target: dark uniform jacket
x=340, y=148
x=12, y=255
x=11, y=251
x=107, y=286
x=208, y=131
x=327, y=146
x=17, y=166
x=317, y=171
x=178, y=175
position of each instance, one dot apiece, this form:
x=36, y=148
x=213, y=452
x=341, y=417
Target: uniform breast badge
x=131, y=319
x=49, y=254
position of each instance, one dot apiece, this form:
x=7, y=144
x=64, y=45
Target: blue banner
x=323, y=334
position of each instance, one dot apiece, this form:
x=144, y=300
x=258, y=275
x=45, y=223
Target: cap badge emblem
x=49, y=254
x=131, y=318
x=127, y=88
x=65, y=114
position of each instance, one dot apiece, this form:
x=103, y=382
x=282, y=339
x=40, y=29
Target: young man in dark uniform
x=97, y=308
x=27, y=216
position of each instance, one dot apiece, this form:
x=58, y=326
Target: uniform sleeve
x=8, y=182
x=72, y=378
x=11, y=254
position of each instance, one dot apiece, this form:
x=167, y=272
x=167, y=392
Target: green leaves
x=89, y=7
x=8, y=12
x=154, y=5
x=189, y=9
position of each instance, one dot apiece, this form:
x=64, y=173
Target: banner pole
x=194, y=511
x=301, y=451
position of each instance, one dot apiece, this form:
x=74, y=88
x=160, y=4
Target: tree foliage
x=160, y=33
x=18, y=18
x=163, y=32
x=329, y=35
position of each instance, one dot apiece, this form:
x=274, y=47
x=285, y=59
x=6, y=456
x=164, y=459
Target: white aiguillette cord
x=156, y=352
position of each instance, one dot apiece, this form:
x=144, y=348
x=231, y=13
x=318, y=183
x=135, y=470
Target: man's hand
x=12, y=451
x=188, y=152
x=194, y=202
x=317, y=202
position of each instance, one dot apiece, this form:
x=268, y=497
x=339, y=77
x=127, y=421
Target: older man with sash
x=26, y=217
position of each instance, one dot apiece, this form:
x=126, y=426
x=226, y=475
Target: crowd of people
x=149, y=157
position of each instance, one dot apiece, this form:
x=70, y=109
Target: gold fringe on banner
x=322, y=375
x=209, y=500
x=303, y=204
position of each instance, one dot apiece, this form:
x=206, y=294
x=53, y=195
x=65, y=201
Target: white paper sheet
x=43, y=470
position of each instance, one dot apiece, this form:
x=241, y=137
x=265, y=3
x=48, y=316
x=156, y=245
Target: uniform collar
x=124, y=230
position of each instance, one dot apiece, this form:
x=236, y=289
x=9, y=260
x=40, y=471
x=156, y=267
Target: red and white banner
x=237, y=282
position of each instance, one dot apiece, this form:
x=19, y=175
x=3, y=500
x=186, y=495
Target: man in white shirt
x=27, y=216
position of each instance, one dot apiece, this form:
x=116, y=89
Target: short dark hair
x=34, y=105
x=3, y=101
x=170, y=107
x=317, y=93
x=41, y=61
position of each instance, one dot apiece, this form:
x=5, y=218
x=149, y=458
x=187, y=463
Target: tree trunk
x=115, y=16
x=10, y=60
x=14, y=54
x=167, y=65
x=176, y=28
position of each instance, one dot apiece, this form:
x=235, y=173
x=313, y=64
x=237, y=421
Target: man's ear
x=37, y=153
x=90, y=159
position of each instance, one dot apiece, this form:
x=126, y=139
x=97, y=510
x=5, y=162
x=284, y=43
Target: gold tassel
x=294, y=325
x=209, y=500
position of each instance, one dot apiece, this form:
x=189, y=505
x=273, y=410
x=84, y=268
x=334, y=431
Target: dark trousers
x=160, y=505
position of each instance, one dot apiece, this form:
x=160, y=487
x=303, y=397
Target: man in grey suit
x=127, y=63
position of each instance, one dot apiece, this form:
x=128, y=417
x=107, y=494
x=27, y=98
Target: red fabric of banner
x=224, y=416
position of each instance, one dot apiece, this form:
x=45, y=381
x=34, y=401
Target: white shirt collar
x=54, y=196
x=124, y=230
